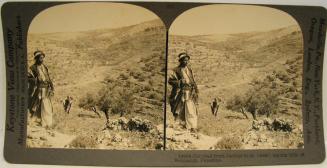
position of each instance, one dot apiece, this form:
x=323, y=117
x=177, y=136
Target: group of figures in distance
x=101, y=85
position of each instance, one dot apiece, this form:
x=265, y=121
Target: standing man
x=184, y=94
x=40, y=103
x=214, y=107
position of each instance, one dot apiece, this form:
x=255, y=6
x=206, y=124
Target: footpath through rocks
x=178, y=138
x=38, y=136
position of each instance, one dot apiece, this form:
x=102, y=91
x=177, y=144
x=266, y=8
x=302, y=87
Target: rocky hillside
x=225, y=61
x=264, y=68
x=87, y=65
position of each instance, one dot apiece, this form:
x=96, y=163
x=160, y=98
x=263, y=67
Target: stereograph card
x=163, y=83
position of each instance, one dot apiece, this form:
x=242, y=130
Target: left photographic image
x=96, y=75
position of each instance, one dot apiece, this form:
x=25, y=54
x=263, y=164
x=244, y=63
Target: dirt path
x=41, y=137
x=179, y=138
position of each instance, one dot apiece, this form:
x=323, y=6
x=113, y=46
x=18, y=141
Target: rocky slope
x=226, y=65
x=85, y=64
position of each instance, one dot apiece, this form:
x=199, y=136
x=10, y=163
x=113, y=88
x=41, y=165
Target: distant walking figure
x=214, y=107
x=68, y=104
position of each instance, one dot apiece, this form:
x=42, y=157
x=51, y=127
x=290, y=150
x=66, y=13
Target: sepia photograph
x=153, y=84
x=234, y=79
x=96, y=77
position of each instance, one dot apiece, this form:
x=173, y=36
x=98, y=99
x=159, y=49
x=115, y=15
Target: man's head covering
x=183, y=55
x=38, y=53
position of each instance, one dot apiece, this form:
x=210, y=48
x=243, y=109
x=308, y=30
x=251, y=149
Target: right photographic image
x=234, y=79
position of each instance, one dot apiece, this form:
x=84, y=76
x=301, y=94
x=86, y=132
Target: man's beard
x=183, y=64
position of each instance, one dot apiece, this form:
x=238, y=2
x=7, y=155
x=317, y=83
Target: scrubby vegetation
x=257, y=100
x=229, y=143
x=117, y=100
x=84, y=141
x=265, y=95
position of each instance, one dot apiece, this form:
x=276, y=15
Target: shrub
x=156, y=96
x=123, y=76
x=235, y=103
x=151, y=82
x=118, y=99
x=109, y=80
x=136, y=89
x=297, y=96
x=289, y=89
x=288, y=95
x=270, y=78
x=147, y=88
x=255, y=81
x=273, y=85
x=283, y=76
x=289, y=61
x=143, y=94
x=84, y=142
x=88, y=101
x=141, y=78
x=263, y=101
x=229, y=143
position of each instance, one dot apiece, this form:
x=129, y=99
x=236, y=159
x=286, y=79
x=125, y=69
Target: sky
x=209, y=19
x=229, y=19
x=88, y=16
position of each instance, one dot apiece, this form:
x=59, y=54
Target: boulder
x=133, y=124
x=117, y=124
x=137, y=124
x=273, y=125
